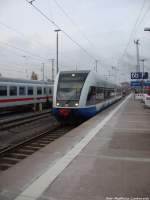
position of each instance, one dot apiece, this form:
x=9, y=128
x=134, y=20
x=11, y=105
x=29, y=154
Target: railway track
x=14, y=154
x=8, y=124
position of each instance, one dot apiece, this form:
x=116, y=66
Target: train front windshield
x=70, y=86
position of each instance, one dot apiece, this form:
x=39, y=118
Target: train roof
x=99, y=77
x=5, y=79
x=75, y=71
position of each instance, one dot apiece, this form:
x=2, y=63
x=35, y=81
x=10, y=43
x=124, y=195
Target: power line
x=25, y=51
x=21, y=55
x=22, y=35
x=73, y=22
x=58, y=27
x=8, y=69
x=144, y=16
x=133, y=30
x=11, y=28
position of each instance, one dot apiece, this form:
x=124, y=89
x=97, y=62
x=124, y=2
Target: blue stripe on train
x=79, y=112
x=84, y=112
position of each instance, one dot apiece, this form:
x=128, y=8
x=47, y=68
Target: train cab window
x=3, y=90
x=39, y=90
x=13, y=91
x=91, y=98
x=30, y=90
x=70, y=86
x=22, y=90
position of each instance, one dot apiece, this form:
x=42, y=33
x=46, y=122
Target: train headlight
x=57, y=103
x=76, y=104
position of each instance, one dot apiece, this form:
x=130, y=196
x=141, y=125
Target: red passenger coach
x=19, y=92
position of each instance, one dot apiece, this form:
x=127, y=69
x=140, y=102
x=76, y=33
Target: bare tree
x=34, y=76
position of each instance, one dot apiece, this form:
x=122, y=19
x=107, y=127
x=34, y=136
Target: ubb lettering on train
x=20, y=92
x=82, y=94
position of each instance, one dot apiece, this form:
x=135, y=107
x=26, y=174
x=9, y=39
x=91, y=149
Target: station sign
x=140, y=83
x=145, y=75
x=139, y=75
x=135, y=84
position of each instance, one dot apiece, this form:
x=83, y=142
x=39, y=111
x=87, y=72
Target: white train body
x=17, y=92
x=82, y=94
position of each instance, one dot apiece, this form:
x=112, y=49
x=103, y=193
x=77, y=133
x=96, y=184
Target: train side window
x=109, y=93
x=3, y=90
x=44, y=90
x=99, y=94
x=22, y=90
x=30, y=90
x=106, y=93
x=13, y=90
x=50, y=91
x=91, y=98
x=39, y=90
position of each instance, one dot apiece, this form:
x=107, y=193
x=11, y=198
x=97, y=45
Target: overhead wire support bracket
x=31, y=2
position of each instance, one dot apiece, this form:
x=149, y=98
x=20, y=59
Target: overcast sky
x=101, y=27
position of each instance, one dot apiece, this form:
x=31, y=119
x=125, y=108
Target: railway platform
x=105, y=158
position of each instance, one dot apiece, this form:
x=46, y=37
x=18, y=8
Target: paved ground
x=115, y=164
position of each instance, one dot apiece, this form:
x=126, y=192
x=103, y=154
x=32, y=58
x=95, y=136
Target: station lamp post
x=143, y=60
x=57, y=67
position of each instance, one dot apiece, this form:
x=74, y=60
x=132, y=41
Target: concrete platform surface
x=107, y=157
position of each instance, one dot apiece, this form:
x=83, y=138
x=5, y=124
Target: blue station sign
x=135, y=84
x=139, y=75
x=140, y=83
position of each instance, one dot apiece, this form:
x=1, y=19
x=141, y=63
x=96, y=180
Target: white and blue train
x=82, y=94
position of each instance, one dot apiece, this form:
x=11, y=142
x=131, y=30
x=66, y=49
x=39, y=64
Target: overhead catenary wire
x=8, y=69
x=58, y=27
x=144, y=15
x=23, y=50
x=21, y=54
x=22, y=35
x=19, y=65
x=19, y=33
x=133, y=30
x=73, y=22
